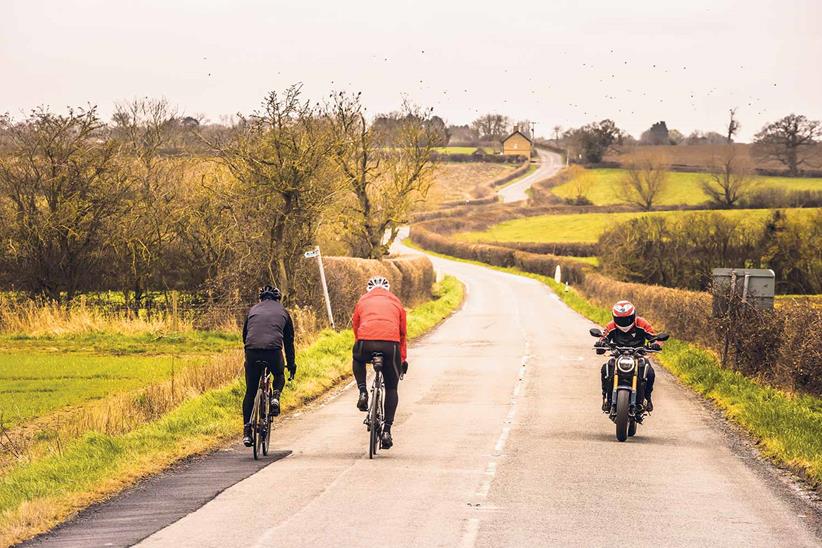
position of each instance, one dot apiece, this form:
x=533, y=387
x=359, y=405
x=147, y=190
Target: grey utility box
x=754, y=286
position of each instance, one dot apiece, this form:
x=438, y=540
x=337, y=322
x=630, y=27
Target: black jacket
x=268, y=326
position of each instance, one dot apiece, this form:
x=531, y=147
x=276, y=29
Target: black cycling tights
x=253, y=371
x=390, y=371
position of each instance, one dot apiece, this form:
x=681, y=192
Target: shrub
x=764, y=198
x=680, y=251
x=411, y=279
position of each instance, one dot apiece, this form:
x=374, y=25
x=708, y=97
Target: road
x=500, y=442
x=549, y=164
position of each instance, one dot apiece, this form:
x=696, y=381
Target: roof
x=517, y=132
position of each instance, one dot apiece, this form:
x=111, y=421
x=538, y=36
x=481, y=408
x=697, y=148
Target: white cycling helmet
x=378, y=281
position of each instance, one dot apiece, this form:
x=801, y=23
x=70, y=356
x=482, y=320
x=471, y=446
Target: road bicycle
x=261, y=414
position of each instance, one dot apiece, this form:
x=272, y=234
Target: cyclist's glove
x=404, y=367
x=292, y=371
x=655, y=346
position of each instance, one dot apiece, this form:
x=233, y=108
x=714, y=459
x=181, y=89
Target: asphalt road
x=499, y=441
x=549, y=164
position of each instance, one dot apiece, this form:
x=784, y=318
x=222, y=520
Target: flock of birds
x=609, y=79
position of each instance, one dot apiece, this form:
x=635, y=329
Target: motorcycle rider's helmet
x=624, y=315
x=378, y=281
x=271, y=293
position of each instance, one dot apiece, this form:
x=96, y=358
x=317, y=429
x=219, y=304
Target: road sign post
x=310, y=255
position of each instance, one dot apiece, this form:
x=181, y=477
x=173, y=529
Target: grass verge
x=36, y=496
x=788, y=427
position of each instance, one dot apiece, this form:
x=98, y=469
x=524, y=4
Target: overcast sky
x=553, y=61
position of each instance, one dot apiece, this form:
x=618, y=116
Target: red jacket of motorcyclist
x=379, y=316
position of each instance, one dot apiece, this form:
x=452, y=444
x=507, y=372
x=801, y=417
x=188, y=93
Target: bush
x=680, y=251
x=411, y=279
x=765, y=198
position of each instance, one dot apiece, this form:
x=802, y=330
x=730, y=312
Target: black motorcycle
x=629, y=371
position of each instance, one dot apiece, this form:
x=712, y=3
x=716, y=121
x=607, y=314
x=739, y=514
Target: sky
x=555, y=62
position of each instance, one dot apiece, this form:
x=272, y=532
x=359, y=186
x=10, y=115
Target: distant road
x=550, y=164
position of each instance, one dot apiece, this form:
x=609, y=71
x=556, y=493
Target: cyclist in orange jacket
x=379, y=324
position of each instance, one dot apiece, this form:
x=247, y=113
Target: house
x=517, y=144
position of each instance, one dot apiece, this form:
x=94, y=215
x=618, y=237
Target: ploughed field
x=684, y=188
x=587, y=227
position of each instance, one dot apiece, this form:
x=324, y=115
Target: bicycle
x=375, y=420
x=261, y=414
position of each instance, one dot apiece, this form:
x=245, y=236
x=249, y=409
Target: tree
x=657, y=134
x=492, y=127
x=788, y=141
x=278, y=157
x=144, y=127
x=594, y=140
x=733, y=125
x=580, y=181
x=65, y=187
x=675, y=137
x=557, y=131
x=709, y=138
x=729, y=179
x=387, y=167
x=645, y=180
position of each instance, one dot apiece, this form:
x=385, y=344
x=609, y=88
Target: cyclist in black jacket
x=268, y=330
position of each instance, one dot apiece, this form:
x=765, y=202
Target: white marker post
x=316, y=253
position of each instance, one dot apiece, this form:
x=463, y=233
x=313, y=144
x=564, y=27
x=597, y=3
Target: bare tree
x=733, y=125
x=492, y=126
x=65, y=185
x=144, y=127
x=645, y=180
x=788, y=141
x=580, y=180
x=388, y=167
x=730, y=178
x=279, y=158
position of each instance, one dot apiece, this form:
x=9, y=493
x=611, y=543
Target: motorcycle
x=629, y=363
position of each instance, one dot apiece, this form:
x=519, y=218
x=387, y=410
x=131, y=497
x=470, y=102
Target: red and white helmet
x=624, y=315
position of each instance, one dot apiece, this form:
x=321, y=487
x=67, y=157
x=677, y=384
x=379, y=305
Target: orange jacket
x=379, y=316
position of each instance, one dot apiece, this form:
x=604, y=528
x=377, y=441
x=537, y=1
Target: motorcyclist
x=626, y=329
x=379, y=324
x=267, y=331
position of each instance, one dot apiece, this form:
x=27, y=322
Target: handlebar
x=631, y=349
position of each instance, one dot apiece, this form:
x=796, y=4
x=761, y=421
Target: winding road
x=499, y=441
x=549, y=164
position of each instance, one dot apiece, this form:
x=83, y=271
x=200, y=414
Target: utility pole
x=316, y=253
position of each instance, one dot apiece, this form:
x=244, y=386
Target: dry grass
x=455, y=181
x=53, y=320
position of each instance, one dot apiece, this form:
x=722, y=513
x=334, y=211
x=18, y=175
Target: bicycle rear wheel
x=255, y=425
x=373, y=425
x=265, y=428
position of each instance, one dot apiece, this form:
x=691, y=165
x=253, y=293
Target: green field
x=60, y=475
x=684, y=188
x=587, y=227
x=35, y=383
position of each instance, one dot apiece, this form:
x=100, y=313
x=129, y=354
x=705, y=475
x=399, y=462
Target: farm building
x=517, y=144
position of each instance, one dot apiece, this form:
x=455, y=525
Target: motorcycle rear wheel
x=621, y=419
x=632, y=428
